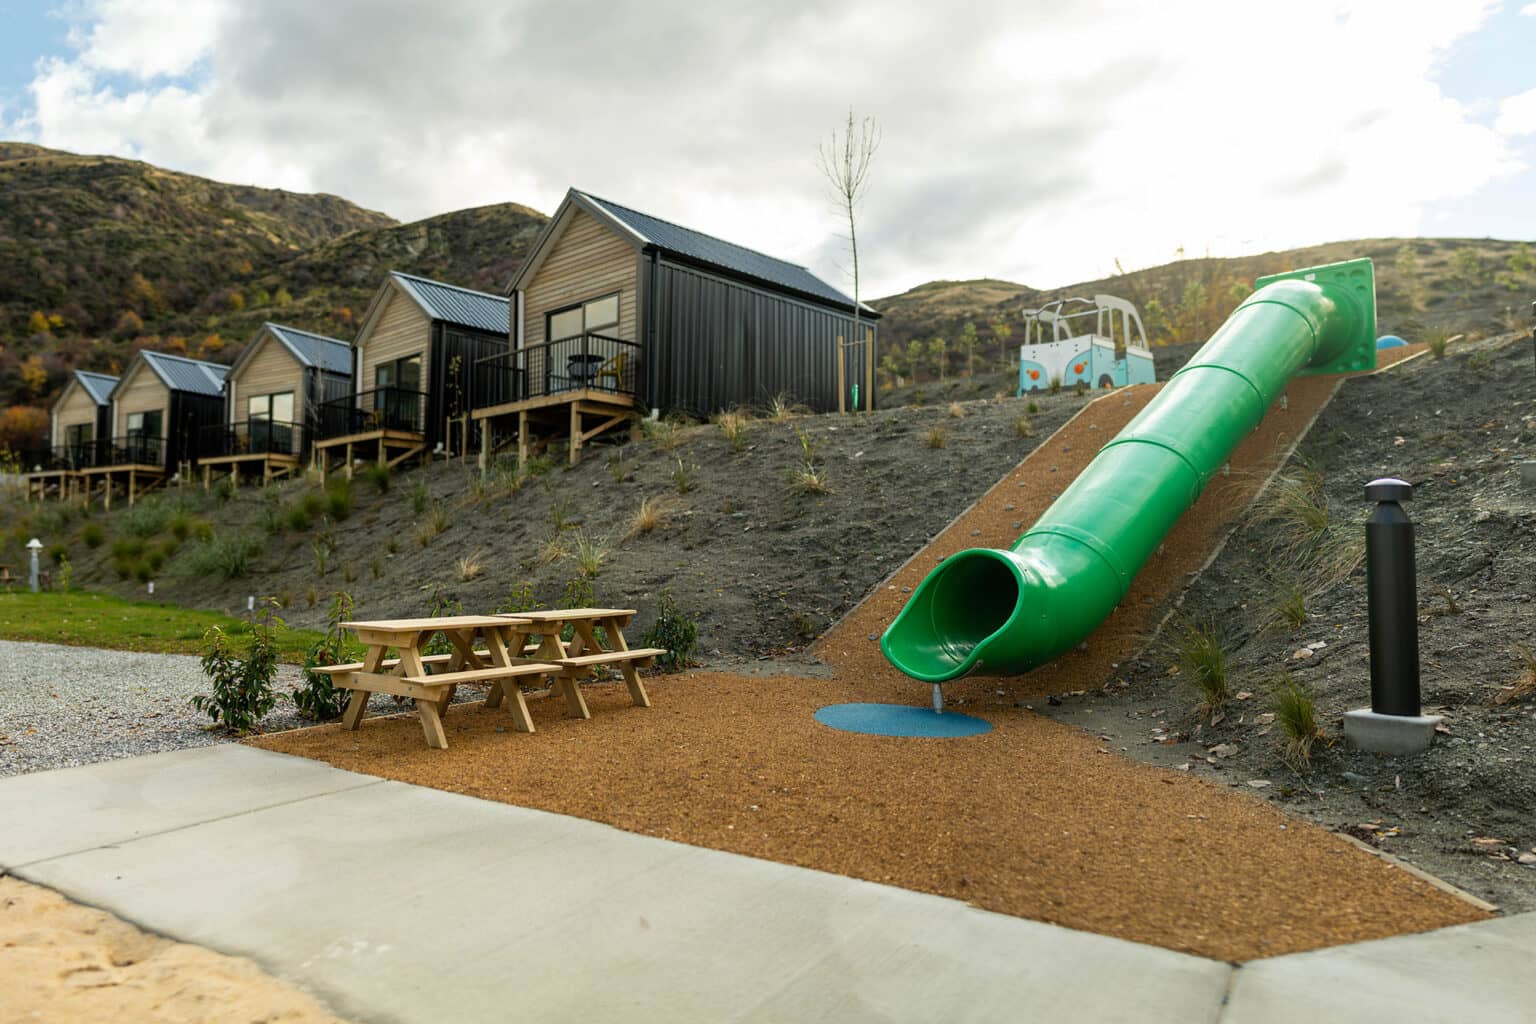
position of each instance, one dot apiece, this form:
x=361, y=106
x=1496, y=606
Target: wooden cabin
x=160, y=406
x=272, y=399
x=81, y=415
x=617, y=312
x=412, y=364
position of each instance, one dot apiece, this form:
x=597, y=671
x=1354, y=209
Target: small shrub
x=661, y=433
x=393, y=547
x=1291, y=608
x=347, y=573
x=420, y=497
x=242, y=687
x=810, y=479
x=1055, y=385
x=1438, y=342
x=1080, y=388
x=1033, y=408
x=229, y=557
x=310, y=597
x=154, y=558
x=808, y=444
x=1477, y=362
x=142, y=572
x=123, y=566
x=378, y=475
x=591, y=553
x=224, y=489
x=1023, y=426
x=618, y=468
x=938, y=437
x=148, y=518
x=296, y=519
x=338, y=500
x=323, y=548
x=93, y=535
x=956, y=411
x=519, y=599
x=313, y=505
x=470, y=567
x=782, y=408
x=1203, y=662
x=127, y=548
x=674, y=632
x=65, y=574
x=57, y=553
x=317, y=699
x=560, y=513
x=1296, y=718
x=438, y=605
x=733, y=424
x=181, y=526
x=434, y=524
x=376, y=568
x=805, y=625
x=650, y=516
x=684, y=476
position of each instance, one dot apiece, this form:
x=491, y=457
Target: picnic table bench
x=583, y=653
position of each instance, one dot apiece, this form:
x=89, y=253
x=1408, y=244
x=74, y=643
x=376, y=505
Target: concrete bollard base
x=1393, y=735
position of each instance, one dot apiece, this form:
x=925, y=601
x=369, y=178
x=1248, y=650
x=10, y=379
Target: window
x=597, y=316
x=277, y=408
x=144, y=424
x=404, y=374
x=78, y=435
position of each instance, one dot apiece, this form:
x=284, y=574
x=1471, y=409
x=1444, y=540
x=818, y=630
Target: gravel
x=66, y=706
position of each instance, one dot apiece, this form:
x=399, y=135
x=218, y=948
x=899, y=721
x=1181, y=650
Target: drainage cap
x=1388, y=488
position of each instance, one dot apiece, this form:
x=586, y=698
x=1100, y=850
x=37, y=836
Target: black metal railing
x=252, y=437
x=594, y=362
x=134, y=449
x=379, y=409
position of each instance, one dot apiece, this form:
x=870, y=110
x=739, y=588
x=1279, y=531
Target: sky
x=1031, y=140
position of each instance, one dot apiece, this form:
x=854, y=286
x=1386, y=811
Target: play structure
x=1000, y=612
x=1097, y=341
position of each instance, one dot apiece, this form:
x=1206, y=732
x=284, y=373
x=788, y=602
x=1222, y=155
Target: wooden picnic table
x=597, y=638
x=407, y=675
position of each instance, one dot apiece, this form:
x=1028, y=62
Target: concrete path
x=398, y=903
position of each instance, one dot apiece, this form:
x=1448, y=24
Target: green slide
x=999, y=612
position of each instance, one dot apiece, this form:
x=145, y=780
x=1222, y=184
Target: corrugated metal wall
x=719, y=343
x=190, y=413
x=452, y=384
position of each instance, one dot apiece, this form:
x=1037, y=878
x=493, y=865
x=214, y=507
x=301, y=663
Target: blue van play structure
x=1097, y=341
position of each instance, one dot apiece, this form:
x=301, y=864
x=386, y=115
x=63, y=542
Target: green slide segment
x=1005, y=612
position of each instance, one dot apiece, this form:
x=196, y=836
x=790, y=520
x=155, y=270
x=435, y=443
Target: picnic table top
x=439, y=622
x=567, y=614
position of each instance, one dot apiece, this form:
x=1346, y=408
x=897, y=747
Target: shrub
x=519, y=599
x=317, y=699
x=674, y=632
x=154, y=558
x=377, y=475
x=93, y=535
x=242, y=687
x=224, y=488
x=65, y=574
x=229, y=557
x=1203, y=662
x=296, y=518
x=57, y=553
x=338, y=500
x=470, y=567
x=313, y=505
x=938, y=437
x=420, y=497
x=661, y=433
x=181, y=526
x=956, y=411
x=650, y=516
x=127, y=548
x=1022, y=427
x=1296, y=717
x=1477, y=362
x=1033, y=407
x=145, y=519
x=733, y=424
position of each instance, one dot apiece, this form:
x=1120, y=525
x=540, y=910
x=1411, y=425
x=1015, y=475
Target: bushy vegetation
x=242, y=686
x=316, y=698
x=673, y=631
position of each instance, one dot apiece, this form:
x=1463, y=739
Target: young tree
x=969, y=343
x=1002, y=330
x=845, y=162
x=938, y=351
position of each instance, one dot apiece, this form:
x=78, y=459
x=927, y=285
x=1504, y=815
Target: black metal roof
x=716, y=252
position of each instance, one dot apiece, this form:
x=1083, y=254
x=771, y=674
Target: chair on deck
x=616, y=368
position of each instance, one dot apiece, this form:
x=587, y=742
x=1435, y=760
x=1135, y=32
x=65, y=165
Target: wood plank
x=432, y=725
x=639, y=654
x=480, y=675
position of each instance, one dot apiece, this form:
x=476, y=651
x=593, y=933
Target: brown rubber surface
x=1034, y=818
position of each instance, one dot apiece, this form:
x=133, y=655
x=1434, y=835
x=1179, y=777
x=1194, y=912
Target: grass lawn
x=83, y=619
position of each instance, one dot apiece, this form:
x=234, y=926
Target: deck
x=389, y=446
x=269, y=465
x=580, y=414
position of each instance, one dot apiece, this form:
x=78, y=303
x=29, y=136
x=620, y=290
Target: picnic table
x=407, y=674
x=597, y=639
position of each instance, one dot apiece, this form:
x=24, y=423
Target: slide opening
x=972, y=596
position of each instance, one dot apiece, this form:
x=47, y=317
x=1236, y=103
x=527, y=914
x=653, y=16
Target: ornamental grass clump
x=1296, y=718
x=1202, y=661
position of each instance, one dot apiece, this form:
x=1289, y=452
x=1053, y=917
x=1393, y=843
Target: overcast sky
x=1029, y=140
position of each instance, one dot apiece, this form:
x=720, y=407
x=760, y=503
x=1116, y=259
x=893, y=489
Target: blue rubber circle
x=1390, y=341
x=900, y=720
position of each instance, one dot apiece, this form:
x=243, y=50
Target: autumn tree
x=23, y=427
x=129, y=324
x=37, y=323
x=281, y=297
x=33, y=376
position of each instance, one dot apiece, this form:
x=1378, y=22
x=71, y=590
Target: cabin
x=616, y=313
x=81, y=415
x=412, y=364
x=160, y=406
x=272, y=398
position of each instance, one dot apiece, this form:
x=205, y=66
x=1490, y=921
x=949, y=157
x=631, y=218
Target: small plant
x=1477, y=362
x=393, y=547
x=579, y=594
x=434, y=524
x=650, y=516
x=1291, y=608
x=296, y=518
x=618, y=468
x=93, y=535
x=146, y=519
x=127, y=548
x=65, y=574
x=808, y=444
x=378, y=475
x=376, y=568
x=519, y=599
x=956, y=411
x=1298, y=505
x=684, y=475
x=242, y=687
x=224, y=489
x=229, y=557
x=733, y=424
x=181, y=526
x=1439, y=341
x=338, y=500
x=1523, y=686
x=317, y=699
x=1023, y=426
x=810, y=479
x=937, y=437
x=1296, y=718
x=560, y=513
x=1080, y=388
x=782, y=408
x=57, y=553
x=674, y=632
x=1033, y=408
x=323, y=548
x=806, y=626
x=1203, y=662
x=470, y=567
x=310, y=597
x=1056, y=384
x=918, y=396
x=438, y=605
x=591, y=553
x=661, y=433
x=420, y=497
x=553, y=550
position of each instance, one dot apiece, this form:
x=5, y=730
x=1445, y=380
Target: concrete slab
x=49, y=814
x=1477, y=972
x=396, y=903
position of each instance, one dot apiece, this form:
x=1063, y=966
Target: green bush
x=317, y=699
x=312, y=504
x=229, y=557
x=181, y=526
x=242, y=687
x=154, y=558
x=338, y=500
x=148, y=518
x=57, y=553
x=93, y=535
x=675, y=632
x=127, y=548
x=377, y=475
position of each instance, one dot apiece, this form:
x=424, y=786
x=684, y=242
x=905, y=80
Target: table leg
x=431, y=724
x=499, y=650
x=357, y=707
x=631, y=674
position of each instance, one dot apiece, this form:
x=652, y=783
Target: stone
x=1302, y=654
x=1393, y=735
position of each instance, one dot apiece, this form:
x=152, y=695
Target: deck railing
x=252, y=437
x=378, y=409
x=594, y=362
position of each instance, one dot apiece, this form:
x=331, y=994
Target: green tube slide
x=997, y=612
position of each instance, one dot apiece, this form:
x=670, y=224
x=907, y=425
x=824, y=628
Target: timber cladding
x=74, y=407
x=141, y=391
x=588, y=260
x=401, y=328
x=271, y=371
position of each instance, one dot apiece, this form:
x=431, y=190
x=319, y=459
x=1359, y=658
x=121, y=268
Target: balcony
x=588, y=362
x=368, y=411
x=252, y=437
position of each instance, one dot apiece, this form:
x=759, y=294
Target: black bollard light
x=1392, y=598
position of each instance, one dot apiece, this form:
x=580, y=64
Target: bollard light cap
x=34, y=544
x=1388, y=488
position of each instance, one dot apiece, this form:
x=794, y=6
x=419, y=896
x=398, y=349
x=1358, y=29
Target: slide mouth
x=942, y=633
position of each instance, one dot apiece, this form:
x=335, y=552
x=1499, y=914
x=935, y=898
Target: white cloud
x=1517, y=114
x=1032, y=140
x=1529, y=10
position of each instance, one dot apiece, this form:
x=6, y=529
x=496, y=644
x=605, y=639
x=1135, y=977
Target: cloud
x=1024, y=139
x=1517, y=114
x=1529, y=10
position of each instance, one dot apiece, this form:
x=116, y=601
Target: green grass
x=83, y=619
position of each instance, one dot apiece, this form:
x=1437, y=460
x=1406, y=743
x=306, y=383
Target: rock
x=1258, y=783
x=1224, y=749
x=1302, y=654
x=1354, y=778
x=1527, y=859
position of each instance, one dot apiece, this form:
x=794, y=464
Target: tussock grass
x=591, y=552
x=1296, y=718
x=733, y=424
x=937, y=437
x=956, y=411
x=649, y=517
x=810, y=478
x=1022, y=426
x=1291, y=607
x=470, y=567
x=661, y=433
x=1439, y=342
x=1202, y=661
x=782, y=408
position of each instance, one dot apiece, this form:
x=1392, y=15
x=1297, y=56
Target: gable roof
x=647, y=231
x=313, y=350
x=455, y=305
x=182, y=374
x=98, y=385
